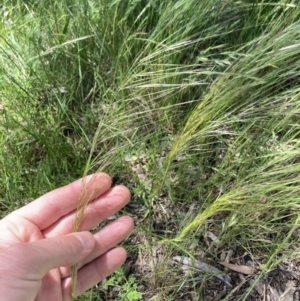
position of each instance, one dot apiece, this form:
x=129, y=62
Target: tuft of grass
x=194, y=106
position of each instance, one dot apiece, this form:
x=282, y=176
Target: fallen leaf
x=259, y=286
x=244, y=269
x=202, y=266
x=213, y=237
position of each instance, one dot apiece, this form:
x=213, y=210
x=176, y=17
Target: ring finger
x=106, y=239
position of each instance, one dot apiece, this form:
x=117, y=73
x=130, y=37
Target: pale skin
x=38, y=248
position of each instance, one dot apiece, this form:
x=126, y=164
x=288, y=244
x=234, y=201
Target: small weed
x=128, y=287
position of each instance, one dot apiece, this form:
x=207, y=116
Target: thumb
x=34, y=259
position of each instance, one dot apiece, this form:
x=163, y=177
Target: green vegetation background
x=192, y=104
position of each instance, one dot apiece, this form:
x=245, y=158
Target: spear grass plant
x=206, y=92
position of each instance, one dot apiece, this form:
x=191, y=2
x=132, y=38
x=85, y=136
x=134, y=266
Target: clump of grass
x=205, y=93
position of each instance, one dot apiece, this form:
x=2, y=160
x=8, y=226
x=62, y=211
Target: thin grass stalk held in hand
x=83, y=201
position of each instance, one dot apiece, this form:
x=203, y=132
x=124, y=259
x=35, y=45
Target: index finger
x=50, y=207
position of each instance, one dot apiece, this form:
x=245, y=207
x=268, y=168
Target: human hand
x=37, y=246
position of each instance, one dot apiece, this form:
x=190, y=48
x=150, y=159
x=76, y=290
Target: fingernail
x=87, y=240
